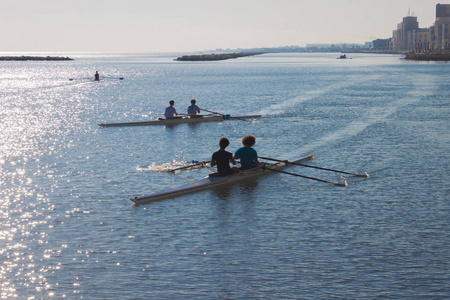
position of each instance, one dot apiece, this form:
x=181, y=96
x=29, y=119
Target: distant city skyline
x=197, y=25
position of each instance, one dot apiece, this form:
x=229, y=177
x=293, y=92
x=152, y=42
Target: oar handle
x=210, y=111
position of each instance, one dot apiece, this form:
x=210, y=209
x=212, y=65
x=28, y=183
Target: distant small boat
x=343, y=56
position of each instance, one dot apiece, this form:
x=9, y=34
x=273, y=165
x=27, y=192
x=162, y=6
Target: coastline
x=34, y=58
x=224, y=56
x=423, y=56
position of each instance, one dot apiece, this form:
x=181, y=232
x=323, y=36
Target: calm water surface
x=68, y=228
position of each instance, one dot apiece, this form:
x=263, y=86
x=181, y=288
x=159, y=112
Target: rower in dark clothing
x=223, y=158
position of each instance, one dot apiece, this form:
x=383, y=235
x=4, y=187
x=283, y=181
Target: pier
x=428, y=56
x=212, y=57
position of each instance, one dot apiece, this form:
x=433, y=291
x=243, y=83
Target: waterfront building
x=441, y=27
x=380, y=44
x=409, y=37
x=402, y=38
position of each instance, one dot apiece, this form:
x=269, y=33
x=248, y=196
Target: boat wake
x=282, y=107
x=170, y=166
x=369, y=118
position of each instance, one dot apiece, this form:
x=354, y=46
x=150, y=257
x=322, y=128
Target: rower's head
x=224, y=142
x=193, y=101
x=172, y=103
x=249, y=141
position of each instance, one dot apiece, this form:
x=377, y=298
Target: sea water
x=69, y=230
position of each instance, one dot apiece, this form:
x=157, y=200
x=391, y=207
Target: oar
x=214, y=112
x=307, y=177
x=72, y=79
x=314, y=167
x=190, y=166
x=120, y=78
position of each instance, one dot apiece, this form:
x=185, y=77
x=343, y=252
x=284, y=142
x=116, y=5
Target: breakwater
x=210, y=57
x=428, y=56
x=38, y=58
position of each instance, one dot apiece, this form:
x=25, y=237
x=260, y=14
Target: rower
x=223, y=158
x=193, y=109
x=170, y=110
x=96, y=76
x=247, y=155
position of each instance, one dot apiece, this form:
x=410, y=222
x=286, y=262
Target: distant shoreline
x=212, y=57
x=34, y=58
x=224, y=56
x=428, y=56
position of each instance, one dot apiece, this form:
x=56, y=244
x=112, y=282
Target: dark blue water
x=68, y=228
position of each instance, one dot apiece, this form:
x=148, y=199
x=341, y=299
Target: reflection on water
x=223, y=193
x=242, y=189
x=193, y=126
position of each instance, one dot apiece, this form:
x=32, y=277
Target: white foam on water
x=169, y=167
x=281, y=107
x=373, y=116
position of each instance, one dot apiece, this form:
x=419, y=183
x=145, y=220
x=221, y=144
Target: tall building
x=441, y=27
x=408, y=36
x=403, y=37
x=409, y=26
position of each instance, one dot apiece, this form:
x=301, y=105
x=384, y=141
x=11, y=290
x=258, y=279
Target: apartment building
x=409, y=37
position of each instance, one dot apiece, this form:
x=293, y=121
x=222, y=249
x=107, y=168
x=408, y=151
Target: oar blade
x=365, y=175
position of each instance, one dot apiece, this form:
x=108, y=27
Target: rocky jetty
x=428, y=56
x=210, y=57
x=38, y=58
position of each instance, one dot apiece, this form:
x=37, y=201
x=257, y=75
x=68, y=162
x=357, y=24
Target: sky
x=141, y=26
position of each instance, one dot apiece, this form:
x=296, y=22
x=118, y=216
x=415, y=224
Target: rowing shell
x=181, y=120
x=212, y=181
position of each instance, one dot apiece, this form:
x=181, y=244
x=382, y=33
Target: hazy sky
x=195, y=25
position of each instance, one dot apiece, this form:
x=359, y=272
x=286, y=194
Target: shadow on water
x=193, y=125
x=173, y=126
x=241, y=191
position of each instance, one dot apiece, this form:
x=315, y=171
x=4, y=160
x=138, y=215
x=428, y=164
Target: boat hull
x=212, y=182
x=181, y=120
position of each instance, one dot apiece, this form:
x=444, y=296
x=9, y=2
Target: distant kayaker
x=193, y=109
x=96, y=76
x=170, y=110
x=247, y=155
x=223, y=158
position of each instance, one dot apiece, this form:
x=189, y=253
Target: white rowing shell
x=213, y=181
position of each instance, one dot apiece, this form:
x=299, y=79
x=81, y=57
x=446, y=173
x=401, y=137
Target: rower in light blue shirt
x=170, y=110
x=193, y=109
